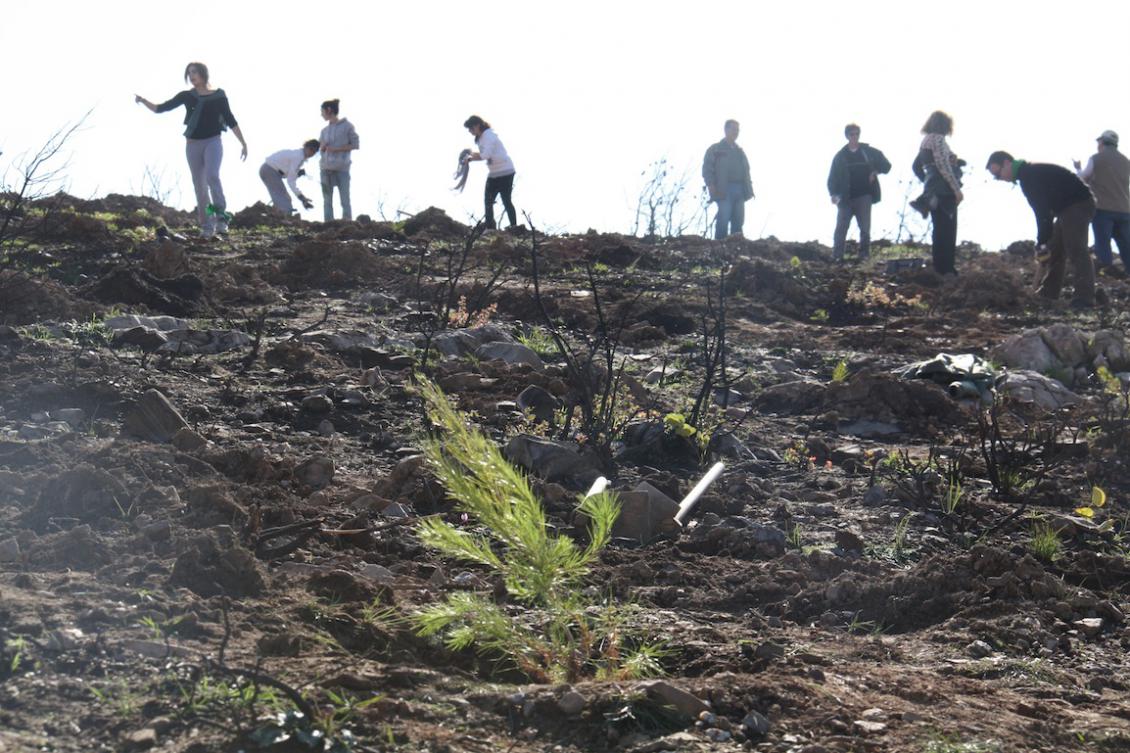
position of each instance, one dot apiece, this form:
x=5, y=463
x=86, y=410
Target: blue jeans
x=339, y=178
x=731, y=211
x=1107, y=225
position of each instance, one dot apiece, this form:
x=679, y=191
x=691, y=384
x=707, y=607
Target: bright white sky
x=583, y=94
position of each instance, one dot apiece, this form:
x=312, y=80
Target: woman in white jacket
x=500, y=179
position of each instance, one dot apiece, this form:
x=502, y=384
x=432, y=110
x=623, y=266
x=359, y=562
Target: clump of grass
x=1044, y=541
x=558, y=633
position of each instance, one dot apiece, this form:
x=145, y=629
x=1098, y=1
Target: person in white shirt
x=500, y=178
x=287, y=163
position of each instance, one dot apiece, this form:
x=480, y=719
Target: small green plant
x=558, y=634
x=898, y=538
x=1044, y=541
x=539, y=341
x=676, y=423
x=820, y=315
x=795, y=537
x=840, y=373
x=951, y=497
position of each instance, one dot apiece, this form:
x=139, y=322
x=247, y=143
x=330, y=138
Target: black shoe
x=921, y=206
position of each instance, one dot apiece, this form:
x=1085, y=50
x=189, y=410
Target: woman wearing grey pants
x=207, y=115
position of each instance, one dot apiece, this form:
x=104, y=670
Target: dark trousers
x=859, y=208
x=1107, y=225
x=502, y=185
x=944, y=239
x=1069, y=241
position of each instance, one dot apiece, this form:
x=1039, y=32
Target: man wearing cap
x=1108, y=174
x=853, y=183
x=1064, y=207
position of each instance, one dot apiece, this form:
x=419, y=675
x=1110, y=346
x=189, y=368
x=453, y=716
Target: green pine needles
x=557, y=633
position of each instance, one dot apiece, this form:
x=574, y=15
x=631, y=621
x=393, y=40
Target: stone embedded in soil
x=316, y=472
x=849, y=542
x=645, y=514
x=1089, y=626
x=868, y=727
x=142, y=739
x=9, y=550
x=154, y=418
x=979, y=649
x=571, y=703
x=540, y=402
x=552, y=461
x=684, y=702
x=317, y=404
x=512, y=353
x=756, y=723
x=187, y=440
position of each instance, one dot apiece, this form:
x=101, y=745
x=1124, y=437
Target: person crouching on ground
x=287, y=163
x=1064, y=206
x=725, y=169
x=339, y=138
x=853, y=183
x=500, y=176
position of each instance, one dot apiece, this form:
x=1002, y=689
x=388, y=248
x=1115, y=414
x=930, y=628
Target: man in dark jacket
x=726, y=172
x=853, y=183
x=1064, y=206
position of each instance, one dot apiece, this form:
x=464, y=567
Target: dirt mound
x=25, y=300
x=331, y=264
x=261, y=215
x=84, y=493
x=434, y=223
x=178, y=296
x=934, y=591
x=214, y=564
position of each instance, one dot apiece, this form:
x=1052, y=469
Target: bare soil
x=135, y=574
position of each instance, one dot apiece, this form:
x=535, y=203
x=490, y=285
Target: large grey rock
x=684, y=702
x=191, y=342
x=1067, y=344
x=1031, y=387
x=1027, y=350
x=552, y=461
x=379, y=302
x=791, y=397
x=455, y=342
x=154, y=418
x=512, y=353
x=540, y=402
x=645, y=513
x=1108, y=348
x=159, y=323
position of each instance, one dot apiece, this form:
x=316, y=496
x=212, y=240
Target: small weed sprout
x=840, y=373
x=557, y=634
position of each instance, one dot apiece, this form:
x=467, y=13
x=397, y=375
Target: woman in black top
x=207, y=115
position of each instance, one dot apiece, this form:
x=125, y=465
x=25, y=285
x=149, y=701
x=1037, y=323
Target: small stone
x=154, y=418
x=572, y=703
x=1090, y=626
x=142, y=739
x=875, y=496
x=397, y=510
x=65, y=639
x=9, y=550
x=770, y=651
x=316, y=472
x=756, y=724
x=869, y=728
x=162, y=530
x=979, y=649
x=849, y=542
x=187, y=440
x=708, y=718
x=686, y=703
x=378, y=573
x=72, y=416
x=326, y=428
x=317, y=404
x=718, y=735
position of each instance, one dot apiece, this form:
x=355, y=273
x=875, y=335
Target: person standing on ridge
x=1064, y=207
x=500, y=175
x=936, y=167
x=853, y=183
x=338, y=139
x=725, y=169
x=287, y=163
x=1108, y=174
x=207, y=115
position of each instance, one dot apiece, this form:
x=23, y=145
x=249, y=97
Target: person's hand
x=872, y=178
x=1077, y=164
x=138, y=99
x=306, y=203
x=958, y=197
x=243, y=152
x=835, y=199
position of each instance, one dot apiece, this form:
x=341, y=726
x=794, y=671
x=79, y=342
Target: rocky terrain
x=211, y=487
